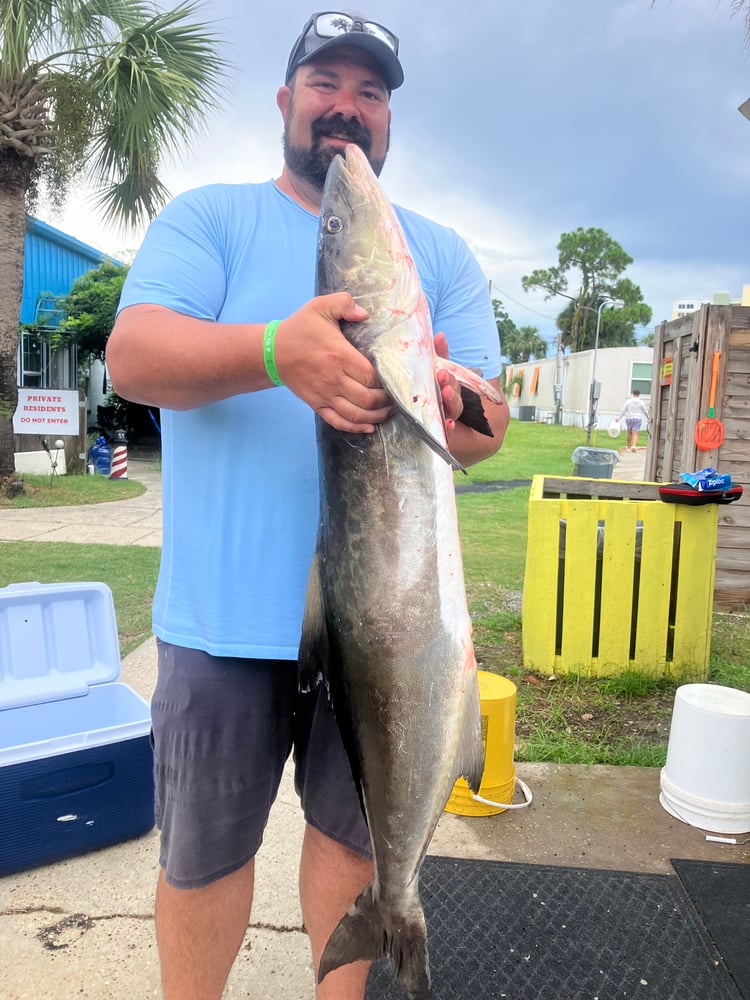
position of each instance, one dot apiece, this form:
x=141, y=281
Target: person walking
x=223, y=280
x=634, y=413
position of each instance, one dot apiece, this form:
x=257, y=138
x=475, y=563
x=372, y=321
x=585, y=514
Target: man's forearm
x=163, y=358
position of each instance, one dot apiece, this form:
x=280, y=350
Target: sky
x=520, y=121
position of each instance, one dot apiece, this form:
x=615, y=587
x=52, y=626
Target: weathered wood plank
x=735, y=560
x=735, y=449
x=738, y=360
x=727, y=599
x=736, y=515
x=606, y=489
x=740, y=321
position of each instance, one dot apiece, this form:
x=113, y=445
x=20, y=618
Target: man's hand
x=319, y=365
x=449, y=388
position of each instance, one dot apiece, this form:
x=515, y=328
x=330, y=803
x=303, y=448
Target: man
x=240, y=500
x=634, y=413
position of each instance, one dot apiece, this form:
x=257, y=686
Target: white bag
x=614, y=428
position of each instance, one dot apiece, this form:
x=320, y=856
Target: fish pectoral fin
x=473, y=412
x=362, y=935
x=313, y=656
x=470, y=378
x=473, y=390
x=394, y=379
x=470, y=763
x=430, y=440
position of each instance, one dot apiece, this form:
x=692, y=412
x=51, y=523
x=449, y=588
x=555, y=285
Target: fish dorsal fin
x=470, y=760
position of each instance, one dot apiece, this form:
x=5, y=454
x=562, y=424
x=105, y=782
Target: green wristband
x=268, y=353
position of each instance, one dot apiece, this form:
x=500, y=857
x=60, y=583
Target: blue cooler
x=76, y=768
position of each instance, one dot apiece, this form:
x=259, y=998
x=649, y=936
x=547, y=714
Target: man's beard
x=312, y=164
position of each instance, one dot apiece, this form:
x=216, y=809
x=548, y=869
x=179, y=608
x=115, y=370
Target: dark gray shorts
x=223, y=728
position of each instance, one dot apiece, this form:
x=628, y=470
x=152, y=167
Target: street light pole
x=593, y=398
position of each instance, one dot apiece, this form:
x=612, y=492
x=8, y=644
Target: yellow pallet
x=627, y=586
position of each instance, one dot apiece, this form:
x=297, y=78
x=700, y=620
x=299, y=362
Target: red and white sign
x=46, y=411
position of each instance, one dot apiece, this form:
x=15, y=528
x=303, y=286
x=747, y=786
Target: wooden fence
x=683, y=359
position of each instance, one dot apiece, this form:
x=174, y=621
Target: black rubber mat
x=721, y=894
x=530, y=932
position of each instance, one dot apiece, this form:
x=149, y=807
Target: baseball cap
x=329, y=29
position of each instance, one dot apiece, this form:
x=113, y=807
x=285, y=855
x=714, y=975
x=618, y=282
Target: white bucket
x=706, y=780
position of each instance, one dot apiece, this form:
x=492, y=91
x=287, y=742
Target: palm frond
x=133, y=199
x=110, y=84
x=157, y=85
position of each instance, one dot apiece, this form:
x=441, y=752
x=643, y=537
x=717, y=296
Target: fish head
x=361, y=246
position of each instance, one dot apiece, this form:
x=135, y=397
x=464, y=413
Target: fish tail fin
x=471, y=745
x=361, y=935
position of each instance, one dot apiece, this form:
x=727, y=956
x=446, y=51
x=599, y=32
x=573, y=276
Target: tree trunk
x=15, y=173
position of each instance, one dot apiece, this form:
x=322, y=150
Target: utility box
x=76, y=766
x=527, y=414
x=617, y=580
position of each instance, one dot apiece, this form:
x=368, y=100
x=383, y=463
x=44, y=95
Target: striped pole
x=119, y=468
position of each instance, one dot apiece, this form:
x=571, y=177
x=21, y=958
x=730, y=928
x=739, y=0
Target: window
x=535, y=380
x=34, y=360
x=640, y=378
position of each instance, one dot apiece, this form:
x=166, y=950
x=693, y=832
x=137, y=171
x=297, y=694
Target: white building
x=687, y=304
x=558, y=389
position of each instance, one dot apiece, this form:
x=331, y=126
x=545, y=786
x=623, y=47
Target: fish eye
x=334, y=224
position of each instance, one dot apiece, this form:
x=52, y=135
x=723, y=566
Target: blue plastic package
x=707, y=480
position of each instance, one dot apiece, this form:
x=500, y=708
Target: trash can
x=594, y=463
x=617, y=580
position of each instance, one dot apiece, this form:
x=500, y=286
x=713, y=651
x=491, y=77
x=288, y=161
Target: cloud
x=518, y=122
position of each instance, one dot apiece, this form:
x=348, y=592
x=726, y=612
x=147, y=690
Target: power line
x=521, y=304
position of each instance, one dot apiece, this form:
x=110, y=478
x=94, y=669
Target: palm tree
x=524, y=344
x=93, y=89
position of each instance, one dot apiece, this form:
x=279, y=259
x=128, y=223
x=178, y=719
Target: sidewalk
x=631, y=466
x=122, y=522
x=84, y=927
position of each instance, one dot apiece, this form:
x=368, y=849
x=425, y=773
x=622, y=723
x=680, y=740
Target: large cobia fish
x=386, y=621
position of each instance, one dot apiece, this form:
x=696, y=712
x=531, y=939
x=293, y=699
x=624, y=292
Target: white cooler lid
x=56, y=640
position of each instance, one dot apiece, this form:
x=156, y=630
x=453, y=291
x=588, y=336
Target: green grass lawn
x=69, y=491
x=532, y=449
x=128, y=570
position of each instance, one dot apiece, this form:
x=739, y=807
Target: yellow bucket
x=498, y=699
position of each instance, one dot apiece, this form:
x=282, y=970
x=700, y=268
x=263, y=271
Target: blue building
x=52, y=262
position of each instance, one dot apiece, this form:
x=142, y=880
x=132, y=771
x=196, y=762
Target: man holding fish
x=219, y=326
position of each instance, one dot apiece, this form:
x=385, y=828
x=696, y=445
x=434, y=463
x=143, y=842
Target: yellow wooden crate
x=617, y=580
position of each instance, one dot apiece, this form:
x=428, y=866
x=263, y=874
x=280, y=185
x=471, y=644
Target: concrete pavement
x=84, y=927
x=123, y=522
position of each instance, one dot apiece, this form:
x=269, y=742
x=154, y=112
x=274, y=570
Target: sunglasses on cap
x=332, y=23
x=339, y=27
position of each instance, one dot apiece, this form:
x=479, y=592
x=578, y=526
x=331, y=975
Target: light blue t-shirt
x=240, y=477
